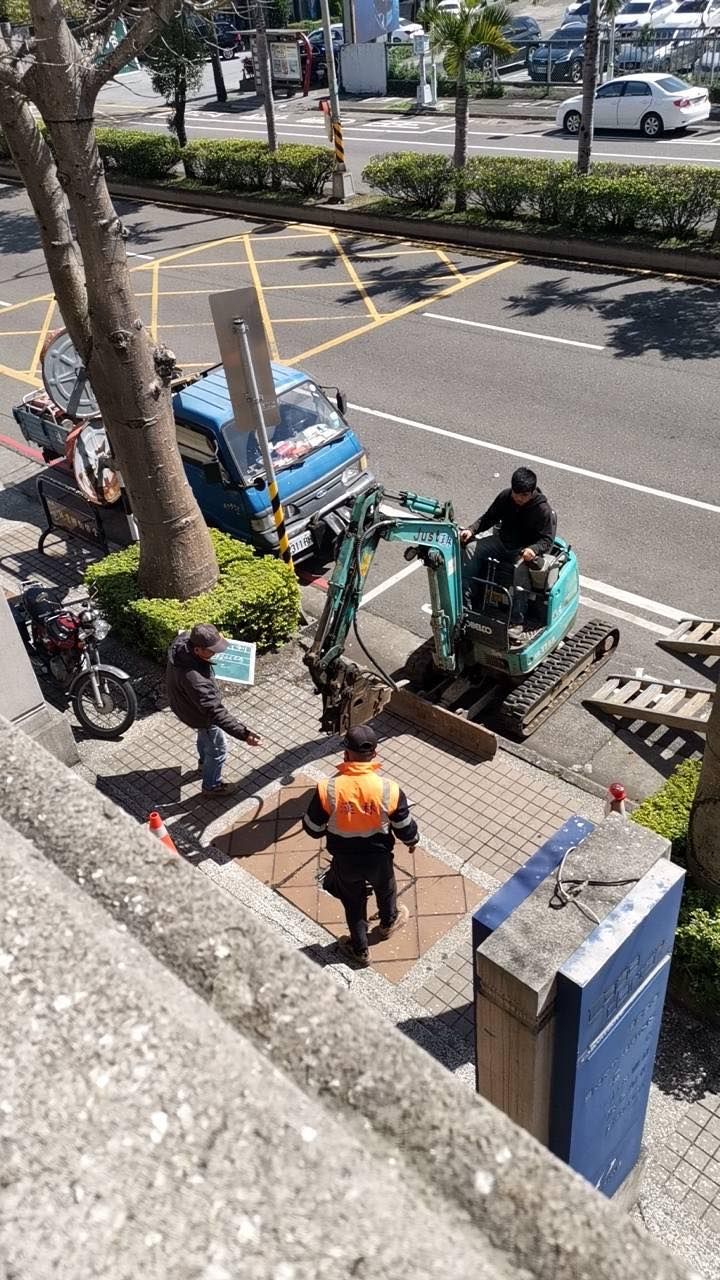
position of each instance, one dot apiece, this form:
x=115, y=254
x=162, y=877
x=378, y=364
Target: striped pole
x=241, y=329
x=338, y=144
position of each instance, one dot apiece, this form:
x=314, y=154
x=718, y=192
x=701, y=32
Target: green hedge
x=251, y=166
x=145, y=156
x=420, y=181
x=403, y=82
x=696, y=958
x=670, y=201
x=256, y=598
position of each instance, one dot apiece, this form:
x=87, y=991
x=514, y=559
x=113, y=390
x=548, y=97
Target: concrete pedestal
x=21, y=701
x=568, y=1010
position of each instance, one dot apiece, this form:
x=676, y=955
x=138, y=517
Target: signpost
x=237, y=663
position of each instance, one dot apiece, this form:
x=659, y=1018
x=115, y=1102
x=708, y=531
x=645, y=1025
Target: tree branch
x=10, y=74
x=138, y=37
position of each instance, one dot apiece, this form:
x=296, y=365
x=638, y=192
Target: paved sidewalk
x=479, y=822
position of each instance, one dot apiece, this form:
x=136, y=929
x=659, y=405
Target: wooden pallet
x=679, y=706
x=693, y=635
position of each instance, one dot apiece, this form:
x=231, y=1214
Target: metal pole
x=255, y=399
x=342, y=183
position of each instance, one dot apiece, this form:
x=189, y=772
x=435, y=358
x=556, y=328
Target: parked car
x=404, y=33
x=564, y=52
x=652, y=103
x=643, y=13
x=708, y=64
x=575, y=13
x=317, y=44
x=228, y=40
x=522, y=32
x=696, y=13
x=672, y=49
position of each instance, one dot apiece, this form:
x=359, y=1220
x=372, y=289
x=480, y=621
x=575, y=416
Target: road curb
x=697, y=266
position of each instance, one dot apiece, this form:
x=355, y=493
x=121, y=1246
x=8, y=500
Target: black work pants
x=351, y=875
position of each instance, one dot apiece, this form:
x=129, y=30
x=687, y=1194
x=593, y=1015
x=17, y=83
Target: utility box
x=568, y=1010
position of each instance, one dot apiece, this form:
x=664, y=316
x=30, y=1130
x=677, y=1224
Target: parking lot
x=459, y=367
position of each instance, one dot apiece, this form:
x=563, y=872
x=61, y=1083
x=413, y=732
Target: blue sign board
x=610, y=997
x=236, y=663
x=375, y=18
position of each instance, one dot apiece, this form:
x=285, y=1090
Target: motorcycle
x=64, y=638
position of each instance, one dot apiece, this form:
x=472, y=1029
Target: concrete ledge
x=603, y=253
x=469, y=1161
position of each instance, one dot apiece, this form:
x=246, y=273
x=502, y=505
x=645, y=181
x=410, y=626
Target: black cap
x=206, y=636
x=362, y=740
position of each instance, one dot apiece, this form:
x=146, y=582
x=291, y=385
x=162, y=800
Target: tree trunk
x=461, y=131
x=179, y=105
x=590, y=77
x=130, y=376
x=220, y=90
x=703, y=846
x=265, y=87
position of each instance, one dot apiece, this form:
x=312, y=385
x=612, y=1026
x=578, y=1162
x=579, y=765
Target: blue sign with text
x=610, y=997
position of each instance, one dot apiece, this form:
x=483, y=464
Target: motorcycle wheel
x=120, y=705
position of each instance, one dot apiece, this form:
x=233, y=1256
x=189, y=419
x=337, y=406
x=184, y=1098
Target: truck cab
x=319, y=462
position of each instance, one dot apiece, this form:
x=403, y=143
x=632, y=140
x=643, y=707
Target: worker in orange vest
x=361, y=813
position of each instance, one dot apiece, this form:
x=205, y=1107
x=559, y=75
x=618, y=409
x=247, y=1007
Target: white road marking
x=5, y=304
x=390, y=582
x=640, y=602
x=624, y=616
x=149, y=257
x=535, y=457
x=358, y=135
x=519, y=333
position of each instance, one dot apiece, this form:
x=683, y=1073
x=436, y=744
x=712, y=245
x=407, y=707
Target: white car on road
x=403, y=34
x=694, y=13
x=653, y=104
x=641, y=13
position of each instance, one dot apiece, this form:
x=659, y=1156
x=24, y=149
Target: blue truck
x=320, y=463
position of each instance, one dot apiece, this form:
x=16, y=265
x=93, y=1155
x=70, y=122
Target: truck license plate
x=302, y=543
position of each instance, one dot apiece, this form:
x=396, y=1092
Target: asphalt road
x=369, y=133
x=459, y=367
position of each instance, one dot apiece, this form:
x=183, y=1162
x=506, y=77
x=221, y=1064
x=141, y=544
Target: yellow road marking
x=354, y=276
x=261, y=299
x=154, y=300
x=20, y=376
x=449, y=263
x=333, y=284
x=403, y=311
x=42, y=336
x=17, y=306
x=186, y=253
x=19, y=333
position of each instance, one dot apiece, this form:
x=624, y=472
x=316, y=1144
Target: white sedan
x=643, y=13
x=653, y=104
x=403, y=34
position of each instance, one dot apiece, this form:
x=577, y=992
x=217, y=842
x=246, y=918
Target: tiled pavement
x=479, y=820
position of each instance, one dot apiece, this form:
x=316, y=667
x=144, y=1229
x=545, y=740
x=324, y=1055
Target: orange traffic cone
x=157, y=827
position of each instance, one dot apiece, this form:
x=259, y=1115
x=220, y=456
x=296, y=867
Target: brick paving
x=479, y=820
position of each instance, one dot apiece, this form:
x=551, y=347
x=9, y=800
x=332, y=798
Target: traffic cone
x=615, y=798
x=157, y=827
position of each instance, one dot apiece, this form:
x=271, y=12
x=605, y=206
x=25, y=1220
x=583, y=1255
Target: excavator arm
x=351, y=694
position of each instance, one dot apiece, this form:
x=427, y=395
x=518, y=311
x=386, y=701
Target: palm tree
x=455, y=35
x=590, y=80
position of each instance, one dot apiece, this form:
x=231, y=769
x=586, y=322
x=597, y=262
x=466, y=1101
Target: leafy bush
x=612, y=202
x=549, y=194
x=232, y=166
x=303, y=167
x=696, y=959
x=499, y=184
x=420, y=181
x=683, y=197
x=256, y=598
x=145, y=156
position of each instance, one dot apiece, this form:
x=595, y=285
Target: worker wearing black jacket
x=194, y=697
x=525, y=533
x=361, y=813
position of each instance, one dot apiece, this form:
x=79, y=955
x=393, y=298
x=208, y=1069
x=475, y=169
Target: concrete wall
x=364, y=68
x=184, y=1095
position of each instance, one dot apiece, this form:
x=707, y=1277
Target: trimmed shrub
x=145, y=156
x=303, y=167
x=614, y=202
x=419, y=181
x=499, y=185
x=696, y=959
x=256, y=598
x=231, y=166
x=548, y=193
x=683, y=197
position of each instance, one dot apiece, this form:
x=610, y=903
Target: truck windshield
x=307, y=422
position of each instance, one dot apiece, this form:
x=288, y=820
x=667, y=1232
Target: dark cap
x=361, y=740
x=206, y=636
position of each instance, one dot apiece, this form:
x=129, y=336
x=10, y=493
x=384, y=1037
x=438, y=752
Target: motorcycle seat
x=42, y=602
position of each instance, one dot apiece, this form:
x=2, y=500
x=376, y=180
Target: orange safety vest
x=358, y=801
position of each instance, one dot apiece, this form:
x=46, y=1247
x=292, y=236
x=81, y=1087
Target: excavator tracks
x=525, y=708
